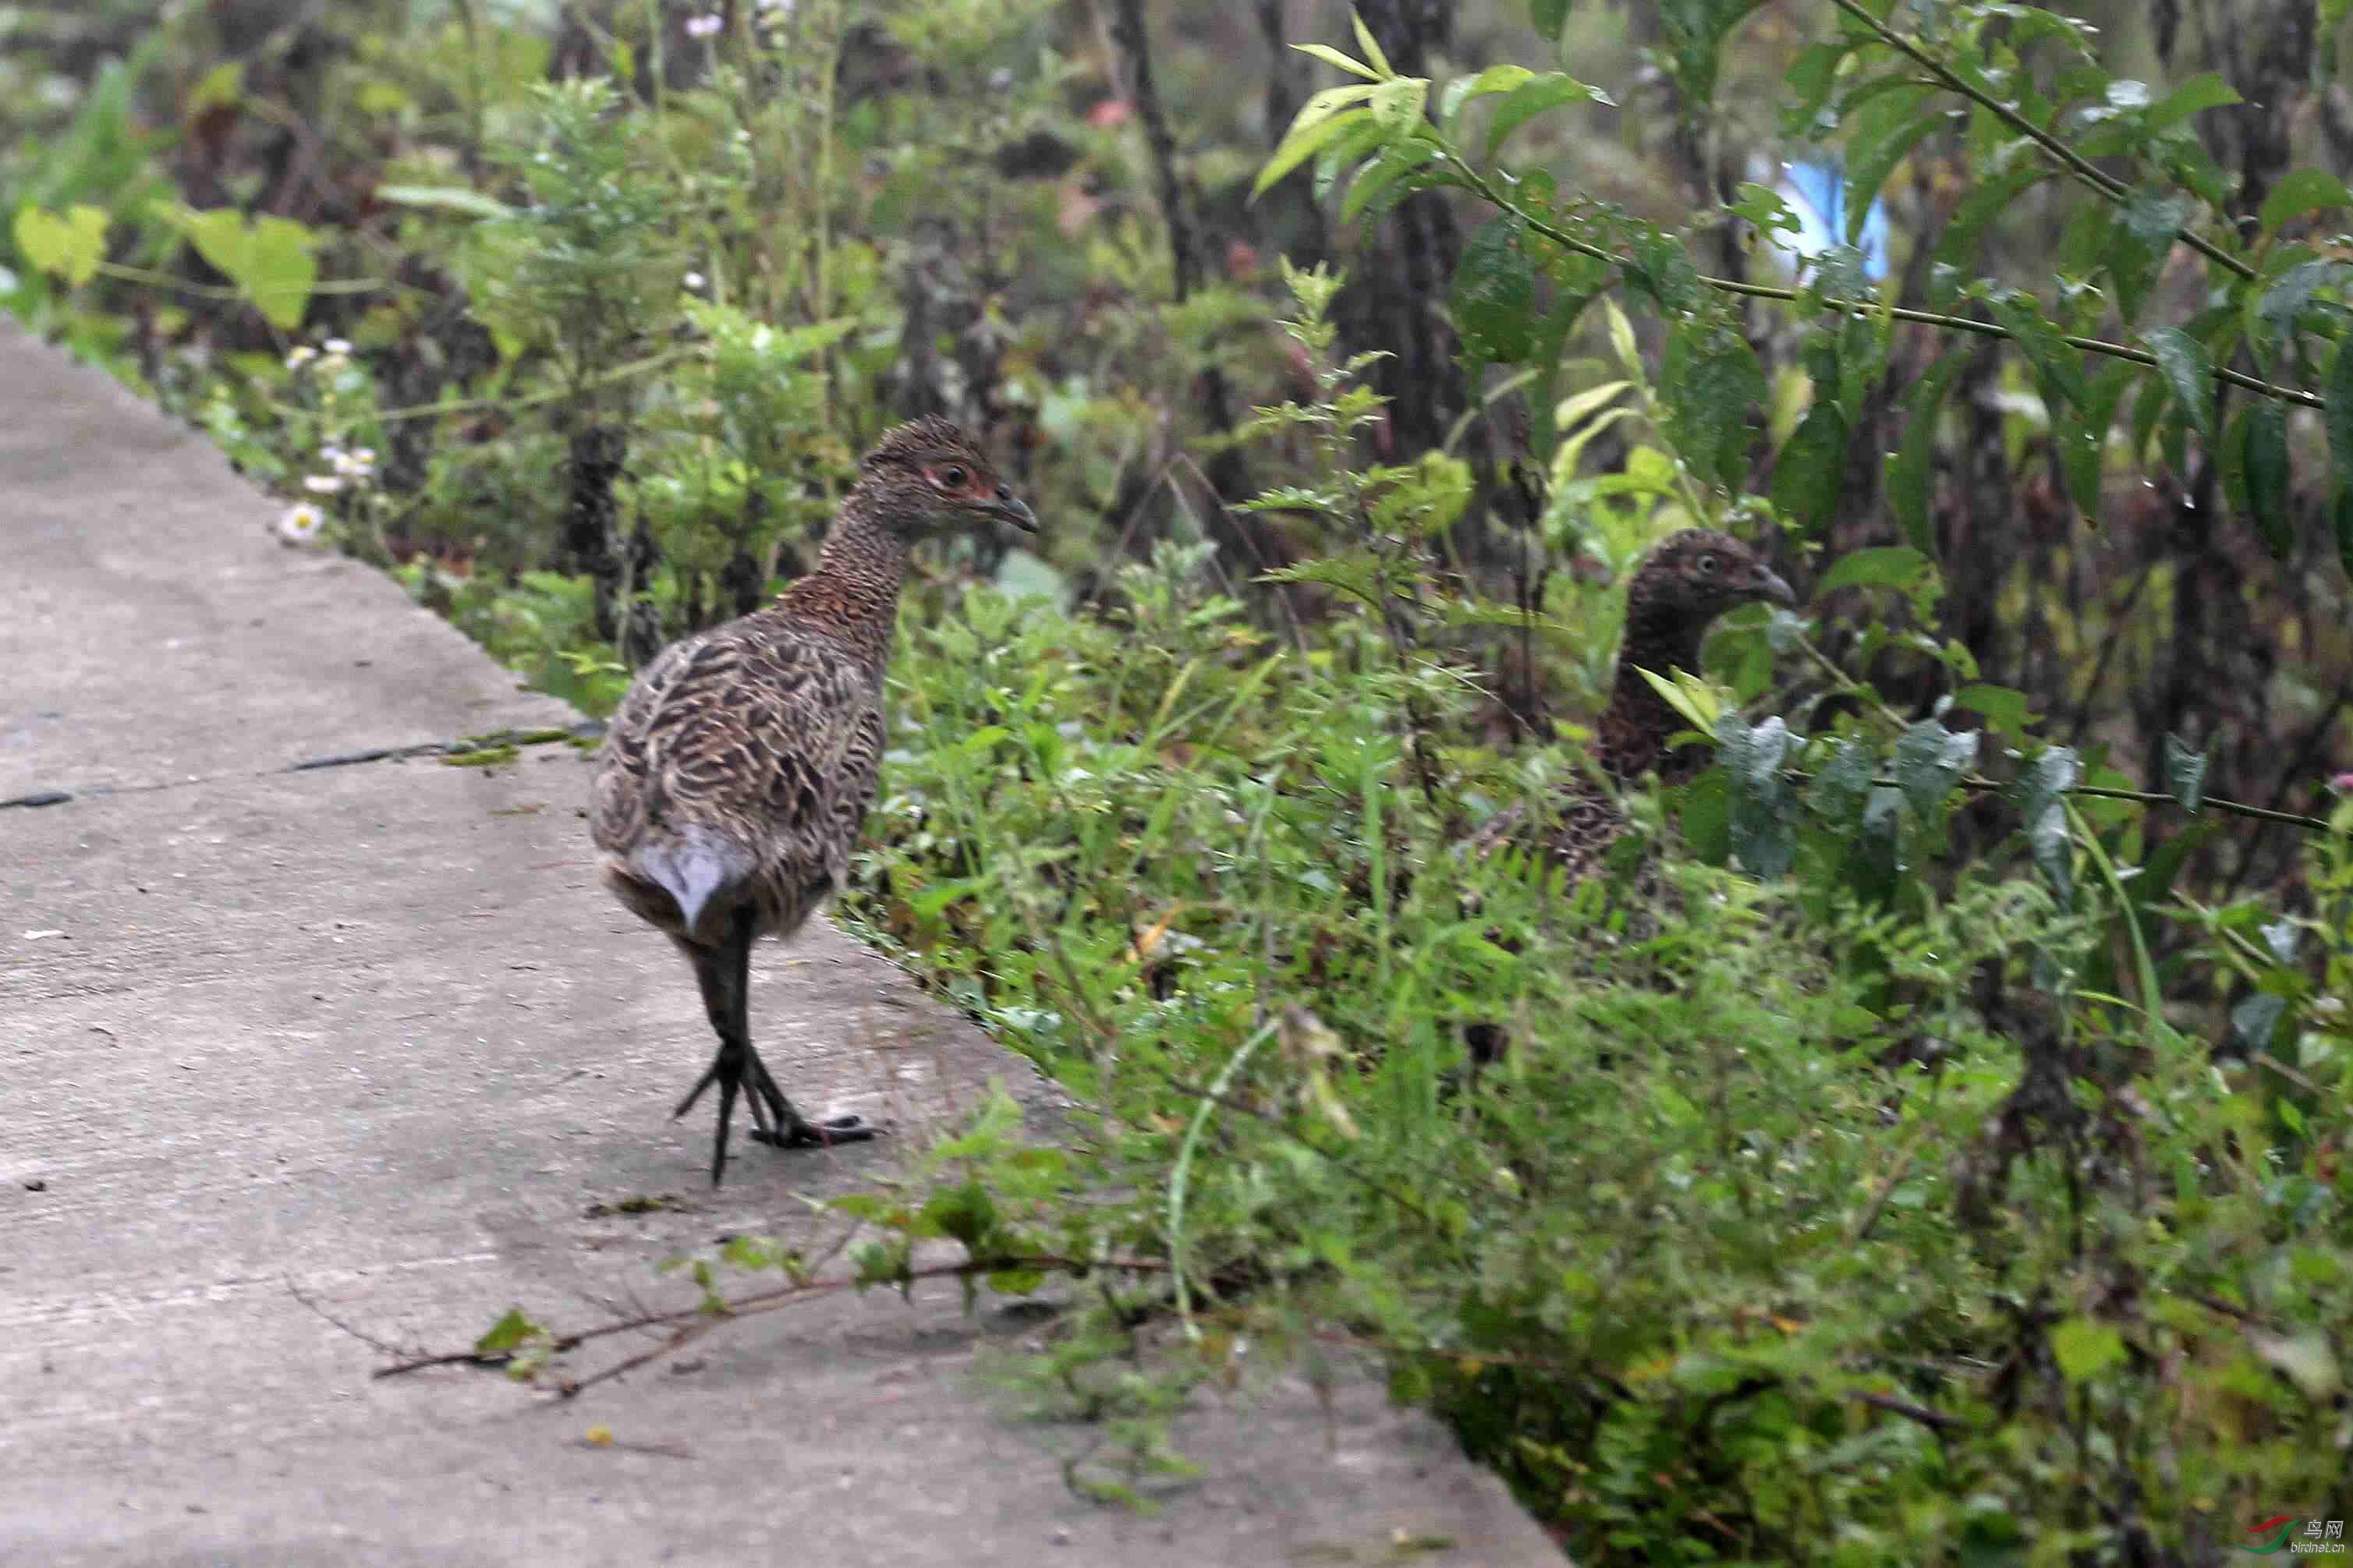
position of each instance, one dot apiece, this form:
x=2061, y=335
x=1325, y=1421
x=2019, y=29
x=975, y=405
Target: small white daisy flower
x=301, y=356
x=694, y=279
x=356, y=465
x=337, y=345
x=773, y=7
x=702, y=27
x=300, y=523
x=332, y=453
x=323, y=484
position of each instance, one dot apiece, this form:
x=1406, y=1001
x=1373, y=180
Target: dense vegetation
x=1944, y=1160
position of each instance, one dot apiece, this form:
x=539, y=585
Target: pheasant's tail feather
x=695, y=866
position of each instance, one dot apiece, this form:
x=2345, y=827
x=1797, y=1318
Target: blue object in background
x=1816, y=192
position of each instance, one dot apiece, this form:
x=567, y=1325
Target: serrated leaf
x=1493, y=299
x=2084, y=1349
x=1710, y=383
x=1805, y=475
x=2042, y=787
x=2188, y=373
x=2058, y=368
x=1754, y=757
x=1530, y=98
x=1911, y=471
x=2185, y=773
x=2301, y=190
x=1930, y=761
x=1840, y=789
x=1895, y=566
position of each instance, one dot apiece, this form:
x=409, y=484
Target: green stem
x=1179, y=1177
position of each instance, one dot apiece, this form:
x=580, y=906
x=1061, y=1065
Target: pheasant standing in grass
x=1690, y=579
x=736, y=773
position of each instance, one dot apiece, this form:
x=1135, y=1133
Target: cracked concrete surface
x=371, y=1034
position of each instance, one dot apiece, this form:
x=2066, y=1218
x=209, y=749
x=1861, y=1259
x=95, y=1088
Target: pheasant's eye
x=1707, y=565
x=952, y=476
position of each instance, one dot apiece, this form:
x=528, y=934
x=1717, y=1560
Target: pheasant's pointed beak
x=1014, y=510
x=1770, y=586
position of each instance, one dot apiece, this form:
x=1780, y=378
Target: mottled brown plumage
x=1682, y=586
x=736, y=773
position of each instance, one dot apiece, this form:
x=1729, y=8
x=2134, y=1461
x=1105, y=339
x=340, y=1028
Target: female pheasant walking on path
x=736, y=773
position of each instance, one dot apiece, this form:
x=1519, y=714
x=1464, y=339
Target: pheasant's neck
x=1636, y=725
x=853, y=594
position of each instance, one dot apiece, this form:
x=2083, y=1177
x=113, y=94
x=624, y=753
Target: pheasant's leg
x=774, y=1121
x=724, y=974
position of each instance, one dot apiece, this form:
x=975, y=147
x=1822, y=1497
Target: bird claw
x=847, y=1127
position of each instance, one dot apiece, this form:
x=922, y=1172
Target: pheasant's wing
x=624, y=791
x=766, y=734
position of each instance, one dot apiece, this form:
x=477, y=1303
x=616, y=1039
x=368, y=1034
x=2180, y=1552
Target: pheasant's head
x=1694, y=576
x=927, y=476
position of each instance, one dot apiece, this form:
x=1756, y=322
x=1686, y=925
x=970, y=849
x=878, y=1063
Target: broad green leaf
x=1332, y=57
x=1711, y=383
x=1986, y=204
x=2200, y=92
x=1840, y=789
x=462, y=199
x=2188, y=375
x=2301, y=190
x=1301, y=145
x=1398, y=104
x=2278, y=309
x=1911, y=471
x=2003, y=707
x=70, y=245
x=270, y=259
x=220, y=88
x=1530, y=98
x=1463, y=88
x=1345, y=152
x=2084, y=1349
x=1754, y=757
x=1394, y=163
x=1887, y=129
x=2042, y=786
x=1812, y=77
x=2267, y=476
x=2140, y=238
x=1622, y=338
x=2185, y=773
x=1493, y=300
x=1930, y=761
x=1806, y=473
x=2337, y=398
x=1897, y=566
x=508, y=1332
x=2057, y=367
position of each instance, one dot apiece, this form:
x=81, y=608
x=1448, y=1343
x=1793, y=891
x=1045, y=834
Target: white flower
x=702, y=27
x=356, y=465
x=323, y=484
x=300, y=523
x=694, y=279
x=301, y=356
x=337, y=345
x=773, y=7
x=332, y=454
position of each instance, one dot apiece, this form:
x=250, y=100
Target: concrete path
x=371, y=1033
